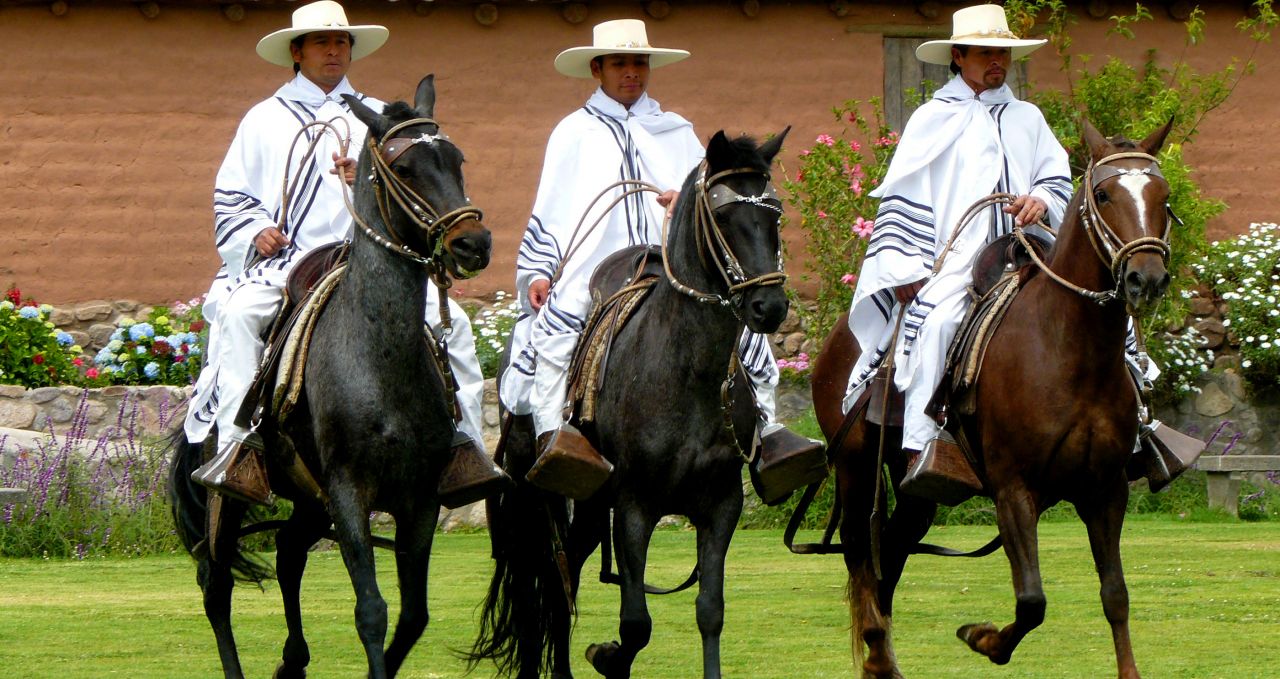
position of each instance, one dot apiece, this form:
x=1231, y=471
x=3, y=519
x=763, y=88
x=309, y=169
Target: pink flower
x=822, y=215
x=37, y=359
x=854, y=145
x=862, y=227
x=826, y=139
x=805, y=152
x=91, y=373
x=849, y=279
x=77, y=361
x=856, y=186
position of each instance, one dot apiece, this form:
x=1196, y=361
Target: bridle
x=1112, y=251
x=389, y=187
x=711, y=195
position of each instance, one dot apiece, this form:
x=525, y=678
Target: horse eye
x=1100, y=196
x=401, y=171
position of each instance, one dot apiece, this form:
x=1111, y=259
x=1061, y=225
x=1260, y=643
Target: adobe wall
x=113, y=125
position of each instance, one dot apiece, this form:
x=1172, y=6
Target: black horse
x=372, y=423
x=661, y=419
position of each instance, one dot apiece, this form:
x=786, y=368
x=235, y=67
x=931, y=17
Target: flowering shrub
x=164, y=349
x=491, y=328
x=1181, y=362
x=829, y=191
x=1245, y=271
x=34, y=353
x=794, y=371
x=89, y=497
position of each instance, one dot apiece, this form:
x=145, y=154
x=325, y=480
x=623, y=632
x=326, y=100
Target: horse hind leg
x=713, y=545
x=1016, y=515
x=305, y=527
x=216, y=583
x=413, y=551
x=1104, y=522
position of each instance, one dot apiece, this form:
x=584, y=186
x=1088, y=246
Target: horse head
x=1127, y=215
x=414, y=172
x=739, y=214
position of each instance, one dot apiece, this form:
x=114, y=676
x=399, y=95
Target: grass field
x=1205, y=602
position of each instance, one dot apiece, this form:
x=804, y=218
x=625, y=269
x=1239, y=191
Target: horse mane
x=746, y=151
x=399, y=111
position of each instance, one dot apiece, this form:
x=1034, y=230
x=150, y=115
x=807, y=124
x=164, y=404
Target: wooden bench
x=1225, y=472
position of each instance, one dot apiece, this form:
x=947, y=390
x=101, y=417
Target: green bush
x=1245, y=271
x=164, y=349
x=829, y=191
x=491, y=328
x=34, y=353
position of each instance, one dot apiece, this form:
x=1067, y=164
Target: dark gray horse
x=373, y=422
x=661, y=420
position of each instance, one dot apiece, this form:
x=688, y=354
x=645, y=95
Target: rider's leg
x=787, y=461
x=471, y=474
x=246, y=313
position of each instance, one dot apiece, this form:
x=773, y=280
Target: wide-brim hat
x=325, y=15
x=620, y=36
x=982, y=25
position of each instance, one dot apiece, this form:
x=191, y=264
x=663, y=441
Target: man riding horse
x=260, y=246
x=620, y=134
x=973, y=138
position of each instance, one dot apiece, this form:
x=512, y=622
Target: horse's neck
x=706, y=329
x=385, y=291
x=1074, y=259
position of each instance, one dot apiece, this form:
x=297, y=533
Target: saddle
x=618, y=286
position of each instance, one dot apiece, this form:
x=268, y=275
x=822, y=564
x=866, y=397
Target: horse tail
x=526, y=603
x=189, y=502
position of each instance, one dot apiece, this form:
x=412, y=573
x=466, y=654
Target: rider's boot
x=238, y=470
x=940, y=472
x=568, y=464
x=471, y=474
x=1163, y=454
x=786, y=461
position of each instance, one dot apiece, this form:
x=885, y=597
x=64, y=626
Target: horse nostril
x=1164, y=284
x=1133, y=281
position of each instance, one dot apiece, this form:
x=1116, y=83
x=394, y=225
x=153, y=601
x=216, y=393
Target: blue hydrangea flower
x=6, y=305
x=115, y=345
x=141, y=331
x=151, y=370
x=104, y=356
x=65, y=339
x=194, y=350
x=141, y=351
x=193, y=338
x=29, y=312
x=118, y=335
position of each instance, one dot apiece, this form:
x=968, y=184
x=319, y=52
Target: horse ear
x=375, y=121
x=719, y=151
x=425, y=98
x=1094, y=140
x=770, y=148
x=1154, y=141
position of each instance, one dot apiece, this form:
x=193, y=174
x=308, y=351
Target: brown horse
x=1056, y=413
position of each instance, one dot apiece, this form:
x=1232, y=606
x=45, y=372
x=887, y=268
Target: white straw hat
x=982, y=25
x=620, y=36
x=325, y=15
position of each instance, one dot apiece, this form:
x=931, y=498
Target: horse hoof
x=284, y=672
x=598, y=655
x=975, y=633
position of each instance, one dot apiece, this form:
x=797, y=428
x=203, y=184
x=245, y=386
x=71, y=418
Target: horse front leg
x=584, y=533
x=306, y=526
x=413, y=552
x=1104, y=522
x=713, y=545
x=351, y=523
x=632, y=531
x=1016, y=515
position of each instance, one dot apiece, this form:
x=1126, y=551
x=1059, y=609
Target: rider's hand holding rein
x=1028, y=209
x=347, y=167
x=269, y=241
x=539, y=290
x=668, y=200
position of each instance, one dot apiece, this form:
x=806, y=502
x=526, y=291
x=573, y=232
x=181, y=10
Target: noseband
x=389, y=187
x=710, y=197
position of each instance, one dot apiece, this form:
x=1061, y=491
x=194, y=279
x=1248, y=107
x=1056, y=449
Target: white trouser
x=249, y=309
x=931, y=342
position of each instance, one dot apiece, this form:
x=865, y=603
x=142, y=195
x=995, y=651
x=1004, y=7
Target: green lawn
x=1205, y=604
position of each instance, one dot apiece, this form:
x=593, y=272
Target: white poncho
x=956, y=149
